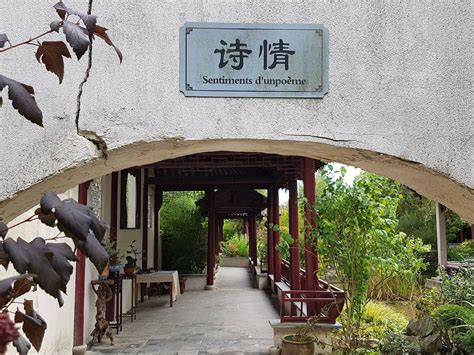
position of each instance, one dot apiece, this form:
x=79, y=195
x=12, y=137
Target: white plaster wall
x=400, y=100
x=58, y=338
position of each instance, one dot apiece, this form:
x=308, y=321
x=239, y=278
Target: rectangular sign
x=253, y=60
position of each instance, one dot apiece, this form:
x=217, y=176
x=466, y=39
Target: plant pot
x=182, y=284
x=291, y=347
x=129, y=270
x=115, y=268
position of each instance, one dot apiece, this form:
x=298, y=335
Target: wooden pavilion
x=229, y=181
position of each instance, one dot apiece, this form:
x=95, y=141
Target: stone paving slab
x=231, y=320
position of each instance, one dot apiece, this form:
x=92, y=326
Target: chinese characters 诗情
x=273, y=54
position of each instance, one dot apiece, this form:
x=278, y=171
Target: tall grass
x=396, y=287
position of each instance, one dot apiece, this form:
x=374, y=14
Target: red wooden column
x=311, y=251
x=253, y=237
x=219, y=234
x=145, y=228
x=472, y=231
x=295, y=281
x=211, y=238
x=276, y=235
x=248, y=231
x=270, y=242
x=80, y=281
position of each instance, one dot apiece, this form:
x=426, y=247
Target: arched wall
x=399, y=101
x=426, y=182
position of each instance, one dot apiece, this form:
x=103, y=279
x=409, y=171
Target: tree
x=184, y=235
x=357, y=237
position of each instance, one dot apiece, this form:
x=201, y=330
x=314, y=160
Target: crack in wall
x=91, y=136
x=320, y=137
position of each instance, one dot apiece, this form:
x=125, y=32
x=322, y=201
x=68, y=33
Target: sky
x=351, y=173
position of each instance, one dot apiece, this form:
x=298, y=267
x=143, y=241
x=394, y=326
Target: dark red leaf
x=55, y=25
x=3, y=230
x=77, y=37
x=6, y=289
x=102, y=33
x=61, y=9
x=4, y=39
x=89, y=21
x=72, y=220
x=4, y=258
x=24, y=284
x=48, y=263
x=22, y=99
x=34, y=325
x=95, y=251
x=51, y=54
x=49, y=201
x=61, y=255
x=22, y=345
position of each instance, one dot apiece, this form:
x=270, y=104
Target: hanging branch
x=52, y=54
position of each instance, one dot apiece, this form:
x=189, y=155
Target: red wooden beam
x=311, y=251
x=80, y=281
x=199, y=181
x=294, y=250
x=276, y=235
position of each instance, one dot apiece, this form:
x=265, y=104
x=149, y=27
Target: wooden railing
x=326, y=302
x=299, y=305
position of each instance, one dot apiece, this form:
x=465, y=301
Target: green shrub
x=426, y=304
x=458, y=289
x=379, y=320
x=184, y=236
x=237, y=245
x=233, y=227
x=467, y=341
x=262, y=247
x=457, y=323
x=453, y=315
x=398, y=343
x=462, y=252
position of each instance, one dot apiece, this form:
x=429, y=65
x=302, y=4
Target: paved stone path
x=231, y=320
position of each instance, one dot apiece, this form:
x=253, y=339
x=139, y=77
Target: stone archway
x=424, y=180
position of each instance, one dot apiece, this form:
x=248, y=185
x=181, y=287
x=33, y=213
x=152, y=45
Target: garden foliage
x=237, y=245
x=184, y=235
x=357, y=238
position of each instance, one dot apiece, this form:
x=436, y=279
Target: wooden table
x=163, y=276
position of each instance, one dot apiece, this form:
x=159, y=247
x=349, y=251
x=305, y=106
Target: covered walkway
x=232, y=319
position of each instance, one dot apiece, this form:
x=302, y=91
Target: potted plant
x=115, y=257
x=302, y=342
x=132, y=258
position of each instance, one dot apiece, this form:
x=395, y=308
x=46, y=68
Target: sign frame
x=188, y=91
